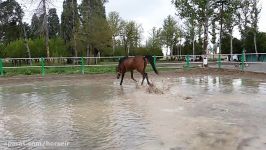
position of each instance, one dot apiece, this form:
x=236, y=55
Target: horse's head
x=118, y=70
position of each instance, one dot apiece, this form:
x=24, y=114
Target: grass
x=67, y=70
x=63, y=70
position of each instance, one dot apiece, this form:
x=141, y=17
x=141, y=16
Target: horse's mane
x=121, y=60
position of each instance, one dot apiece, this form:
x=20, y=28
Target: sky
x=148, y=13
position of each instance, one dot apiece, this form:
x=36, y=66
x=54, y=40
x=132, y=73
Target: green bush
x=2, y=52
x=120, y=51
x=37, y=47
x=17, y=48
x=58, y=48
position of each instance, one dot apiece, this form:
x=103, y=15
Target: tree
x=70, y=23
x=243, y=18
x=255, y=11
x=36, y=26
x=204, y=12
x=53, y=23
x=154, y=41
x=26, y=40
x=230, y=17
x=95, y=32
x=45, y=27
x=114, y=22
x=213, y=32
x=201, y=10
x=131, y=35
x=11, y=24
x=10, y=21
x=190, y=27
x=169, y=33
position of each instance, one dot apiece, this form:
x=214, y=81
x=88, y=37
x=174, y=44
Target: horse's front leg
x=132, y=76
x=123, y=74
x=146, y=75
x=143, y=77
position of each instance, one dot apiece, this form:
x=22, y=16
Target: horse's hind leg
x=132, y=76
x=123, y=74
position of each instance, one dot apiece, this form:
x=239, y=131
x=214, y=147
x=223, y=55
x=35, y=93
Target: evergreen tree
x=70, y=24
x=10, y=21
x=35, y=26
x=95, y=31
x=53, y=23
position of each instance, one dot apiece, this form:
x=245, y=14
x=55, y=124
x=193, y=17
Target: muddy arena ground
x=196, y=109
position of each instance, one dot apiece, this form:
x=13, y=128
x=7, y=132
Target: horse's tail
x=151, y=61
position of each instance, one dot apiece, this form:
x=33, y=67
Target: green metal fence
x=174, y=62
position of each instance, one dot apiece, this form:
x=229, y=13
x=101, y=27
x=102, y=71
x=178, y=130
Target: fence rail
x=176, y=61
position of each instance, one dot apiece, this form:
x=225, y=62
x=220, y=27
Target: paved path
x=261, y=67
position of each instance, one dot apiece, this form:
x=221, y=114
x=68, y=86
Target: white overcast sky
x=148, y=13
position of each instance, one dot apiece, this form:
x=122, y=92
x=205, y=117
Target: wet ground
x=203, y=112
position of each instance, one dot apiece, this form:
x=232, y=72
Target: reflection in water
x=237, y=84
x=262, y=87
x=98, y=115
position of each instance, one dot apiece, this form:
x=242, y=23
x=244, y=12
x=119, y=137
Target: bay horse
x=138, y=63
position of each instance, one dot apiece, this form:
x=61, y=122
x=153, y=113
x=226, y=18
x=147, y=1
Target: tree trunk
x=46, y=33
x=199, y=34
x=128, y=47
x=125, y=46
x=193, y=44
x=231, y=45
x=180, y=46
x=255, y=45
x=113, y=45
x=171, y=51
x=180, y=50
x=92, y=54
x=205, y=43
x=88, y=54
x=26, y=43
x=75, y=48
x=74, y=29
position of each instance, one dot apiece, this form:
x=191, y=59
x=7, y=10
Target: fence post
x=187, y=62
x=154, y=60
x=242, y=60
x=82, y=65
x=219, y=61
x=42, y=66
x=1, y=68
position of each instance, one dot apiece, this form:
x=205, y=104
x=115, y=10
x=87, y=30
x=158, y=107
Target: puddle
x=176, y=113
